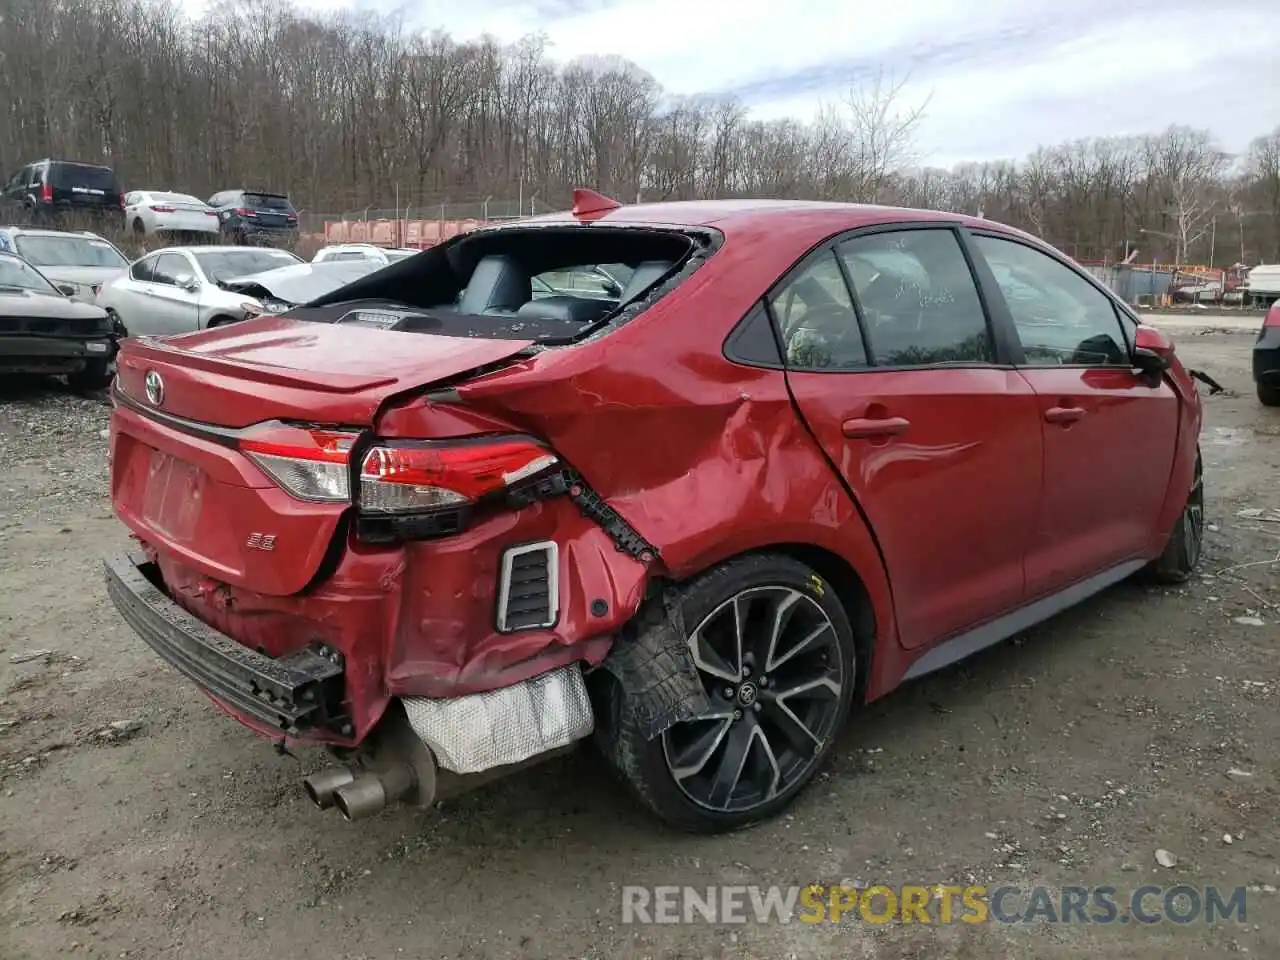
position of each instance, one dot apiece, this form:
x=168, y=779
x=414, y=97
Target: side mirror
x=1152, y=350
x=189, y=284
x=67, y=289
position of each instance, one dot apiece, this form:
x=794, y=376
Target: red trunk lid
x=278, y=368
x=197, y=496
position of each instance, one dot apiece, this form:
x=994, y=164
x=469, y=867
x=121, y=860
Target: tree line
x=353, y=110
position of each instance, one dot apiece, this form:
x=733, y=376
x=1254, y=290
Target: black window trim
x=1006, y=348
x=1117, y=309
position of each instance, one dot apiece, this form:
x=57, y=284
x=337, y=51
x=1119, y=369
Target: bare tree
x=353, y=112
x=882, y=131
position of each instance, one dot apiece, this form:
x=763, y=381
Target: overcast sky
x=1002, y=76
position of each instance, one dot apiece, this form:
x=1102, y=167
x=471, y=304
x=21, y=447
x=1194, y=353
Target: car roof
x=212, y=248
x=41, y=232
x=823, y=218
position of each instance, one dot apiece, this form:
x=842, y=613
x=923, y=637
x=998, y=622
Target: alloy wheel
x=770, y=661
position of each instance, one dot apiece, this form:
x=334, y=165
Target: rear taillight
x=46, y=194
x=293, y=218
x=407, y=489
x=211, y=213
x=245, y=212
x=1273, y=316
x=122, y=201
x=160, y=208
x=421, y=476
x=310, y=464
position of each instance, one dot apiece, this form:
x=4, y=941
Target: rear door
x=1109, y=436
x=920, y=411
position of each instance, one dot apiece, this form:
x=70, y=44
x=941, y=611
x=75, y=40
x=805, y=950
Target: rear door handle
x=863, y=428
x=1063, y=414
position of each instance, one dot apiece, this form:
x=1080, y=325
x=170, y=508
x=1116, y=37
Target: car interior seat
x=499, y=286
x=645, y=275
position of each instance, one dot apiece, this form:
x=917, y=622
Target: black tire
x=96, y=375
x=1182, y=553
x=1268, y=396
x=749, y=711
x=139, y=231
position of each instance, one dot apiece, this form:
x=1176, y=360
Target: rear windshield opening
x=266, y=201
x=83, y=175
x=548, y=284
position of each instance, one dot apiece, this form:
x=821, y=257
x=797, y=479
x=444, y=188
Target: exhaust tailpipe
x=320, y=786
x=369, y=794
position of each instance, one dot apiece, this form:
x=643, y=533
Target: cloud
x=1000, y=76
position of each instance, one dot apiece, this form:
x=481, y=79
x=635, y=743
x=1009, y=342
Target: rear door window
x=918, y=298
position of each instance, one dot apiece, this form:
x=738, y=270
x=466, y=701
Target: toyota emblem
x=155, y=388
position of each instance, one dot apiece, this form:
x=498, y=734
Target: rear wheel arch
x=849, y=588
x=219, y=320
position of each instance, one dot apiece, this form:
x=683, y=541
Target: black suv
x=51, y=191
x=256, y=216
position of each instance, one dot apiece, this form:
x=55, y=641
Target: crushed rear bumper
x=293, y=694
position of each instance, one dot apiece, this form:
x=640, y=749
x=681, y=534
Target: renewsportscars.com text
x=934, y=904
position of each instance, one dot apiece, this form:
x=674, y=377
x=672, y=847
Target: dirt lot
x=1142, y=720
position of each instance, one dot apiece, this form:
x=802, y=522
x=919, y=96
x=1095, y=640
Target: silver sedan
x=179, y=289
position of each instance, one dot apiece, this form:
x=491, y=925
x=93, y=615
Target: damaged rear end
x=337, y=548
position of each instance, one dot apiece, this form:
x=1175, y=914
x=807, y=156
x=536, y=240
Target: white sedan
x=180, y=289
x=149, y=213
x=361, y=251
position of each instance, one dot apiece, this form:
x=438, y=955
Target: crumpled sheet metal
x=485, y=730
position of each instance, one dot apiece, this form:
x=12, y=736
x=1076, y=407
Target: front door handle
x=862, y=428
x=1063, y=414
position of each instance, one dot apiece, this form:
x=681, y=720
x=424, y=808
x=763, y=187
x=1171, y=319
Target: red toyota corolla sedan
x=695, y=478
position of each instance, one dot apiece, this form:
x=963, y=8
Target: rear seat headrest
x=498, y=283
x=645, y=275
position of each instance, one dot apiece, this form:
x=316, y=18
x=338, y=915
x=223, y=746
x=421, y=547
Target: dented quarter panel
x=705, y=442
x=446, y=643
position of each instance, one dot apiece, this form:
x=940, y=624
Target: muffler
x=371, y=792
x=320, y=786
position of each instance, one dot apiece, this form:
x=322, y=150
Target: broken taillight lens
x=420, y=476
x=308, y=463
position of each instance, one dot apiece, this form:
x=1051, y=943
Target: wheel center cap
x=747, y=694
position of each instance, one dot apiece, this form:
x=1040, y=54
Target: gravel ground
x=136, y=821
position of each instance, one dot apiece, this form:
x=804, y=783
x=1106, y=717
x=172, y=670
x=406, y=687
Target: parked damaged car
x=44, y=331
x=1266, y=358
x=807, y=452
x=181, y=289
x=283, y=288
